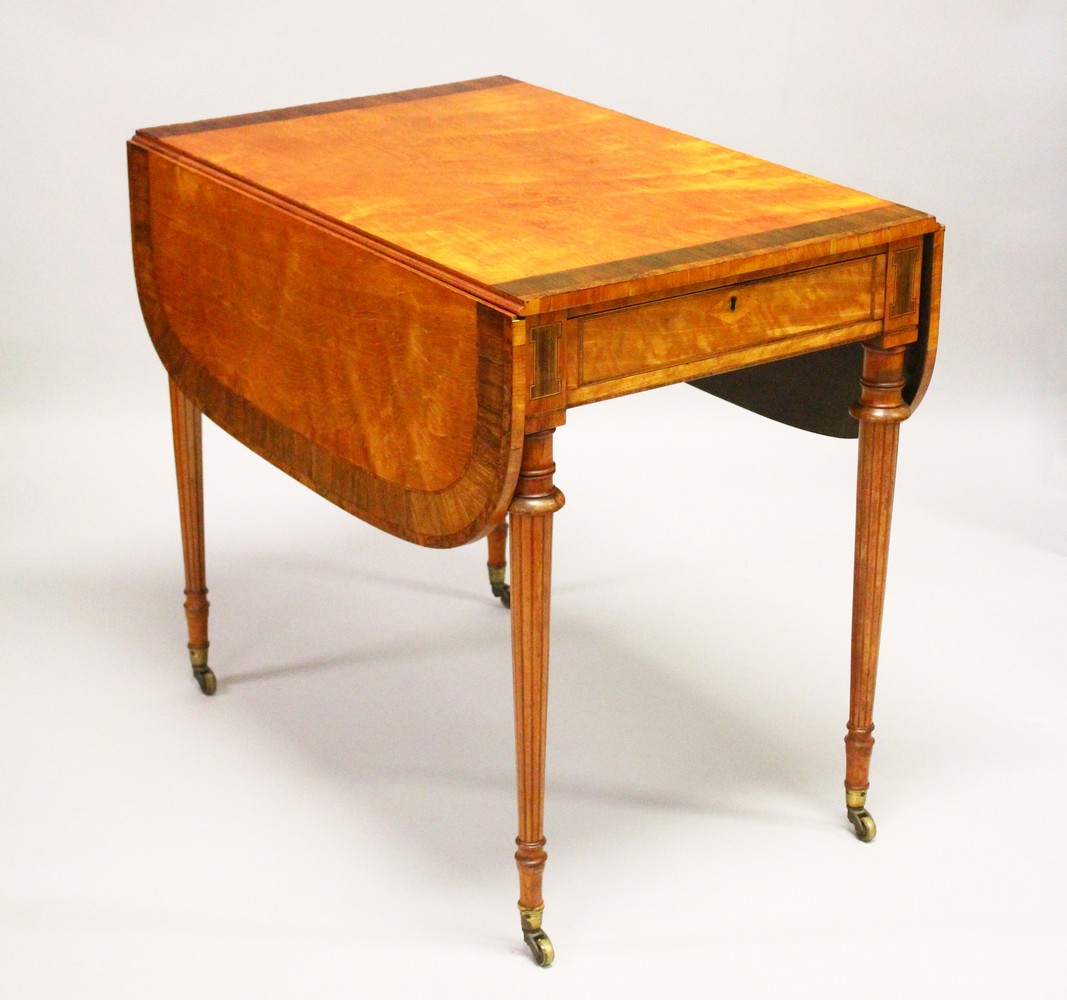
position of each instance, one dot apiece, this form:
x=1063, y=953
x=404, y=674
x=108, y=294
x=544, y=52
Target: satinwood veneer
x=396, y=299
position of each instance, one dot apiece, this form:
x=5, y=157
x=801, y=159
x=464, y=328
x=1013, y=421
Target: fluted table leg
x=880, y=410
x=188, y=459
x=536, y=499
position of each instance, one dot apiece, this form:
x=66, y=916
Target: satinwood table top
x=532, y=197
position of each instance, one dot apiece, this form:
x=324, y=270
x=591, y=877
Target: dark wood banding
x=324, y=107
x=543, y=285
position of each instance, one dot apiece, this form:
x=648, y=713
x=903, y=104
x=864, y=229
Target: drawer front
x=689, y=328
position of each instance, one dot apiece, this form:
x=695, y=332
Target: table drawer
x=688, y=328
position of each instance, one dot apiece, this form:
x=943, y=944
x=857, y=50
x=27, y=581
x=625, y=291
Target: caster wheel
x=205, y=677
x=503, y=591
x=863, y=824
x=537, y=940
x=540, y=947
x=498, y=584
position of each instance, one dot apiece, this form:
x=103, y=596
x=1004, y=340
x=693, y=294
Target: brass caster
x=861, y=820
x=537, y=940
x=863, y=824
x=503, y=591
x=500, y=588
x=540, y=947
x=204, y=675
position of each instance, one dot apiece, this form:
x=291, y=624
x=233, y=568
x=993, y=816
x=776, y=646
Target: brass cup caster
x=861, y=820
x=503, y=591
x=536, y=939
x=499, y=587
x=204, y=675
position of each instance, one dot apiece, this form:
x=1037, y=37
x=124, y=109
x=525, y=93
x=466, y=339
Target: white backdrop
x=338, y=820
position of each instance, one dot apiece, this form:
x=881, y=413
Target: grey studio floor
x=338, y=820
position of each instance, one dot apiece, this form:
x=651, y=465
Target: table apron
x=702, y=333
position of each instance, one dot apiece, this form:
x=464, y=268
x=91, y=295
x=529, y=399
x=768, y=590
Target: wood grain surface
x=532, y=193
x=389, y=393
x=189, y=466
x=880, y=410
x=673, y=331
x=396, y=299
x=364, y=359
x=536, y=500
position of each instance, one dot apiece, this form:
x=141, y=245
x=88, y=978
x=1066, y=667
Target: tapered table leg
x=880, y=410
x=535, y=501
x=185, y=418
x=498, y=563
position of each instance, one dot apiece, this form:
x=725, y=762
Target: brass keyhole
x=733, y=303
